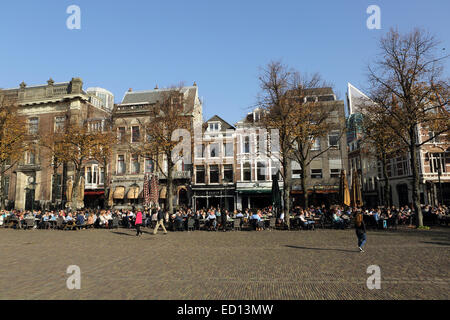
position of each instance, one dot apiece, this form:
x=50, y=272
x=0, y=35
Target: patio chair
x=28, y=224
x=191, y=224
x=237, y=224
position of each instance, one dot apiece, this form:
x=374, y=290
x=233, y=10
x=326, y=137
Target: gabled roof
x=225, y=125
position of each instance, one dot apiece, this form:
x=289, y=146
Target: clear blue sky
x=219, y=44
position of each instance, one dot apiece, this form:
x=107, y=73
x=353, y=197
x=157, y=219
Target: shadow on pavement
x=322, y=249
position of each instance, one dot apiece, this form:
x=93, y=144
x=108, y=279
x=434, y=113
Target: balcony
x=28, y=167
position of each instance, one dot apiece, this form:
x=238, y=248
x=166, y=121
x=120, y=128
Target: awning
x=133, y=193
x=255, y=191
x=94, y=193
x=119, y=193
x=163, y=193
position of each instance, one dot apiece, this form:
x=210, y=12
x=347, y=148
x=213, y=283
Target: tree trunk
x=304, y=179
x=106, y=186
x=75, y=203
x=2, y=188
x=415, y=177
x=286, y=190
x=387, y=195
x=169, y=194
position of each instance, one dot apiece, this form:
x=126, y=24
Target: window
x=33, y=124
x=335, y=173
x=121, y=164
x=135, y=169
x=316, y=173
x=214, y=126
x=315, y=144
x=200, y=151
x=214, y=174
x=59, y=123
x=333, y=140
x=31, y=157
x=148, y=165
x=200, y=174
x=121, y=134
x=275, y=166
x=437, y=161
x=246, y=147
x=228, y=172
x=228, y=148
x=247, y=174
x=261, y=171
x=102, y=176
x=296, y=173
x=89, y=174
x=95, y=175
x=135, y=134
x=214, y=150
x=6, y=187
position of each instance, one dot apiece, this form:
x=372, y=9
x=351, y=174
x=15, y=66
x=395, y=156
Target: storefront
x=207, y=197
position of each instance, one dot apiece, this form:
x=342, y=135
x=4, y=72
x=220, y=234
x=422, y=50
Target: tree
x=12, y=139
x=378, y=140
x=299, y=122
x=407, y=84
x=73, y=145
x=103, y=145
x=167, y=126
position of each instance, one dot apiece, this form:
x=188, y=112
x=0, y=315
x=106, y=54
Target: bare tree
x=407, y=83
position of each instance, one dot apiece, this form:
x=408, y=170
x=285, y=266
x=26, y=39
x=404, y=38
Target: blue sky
x=219, y=44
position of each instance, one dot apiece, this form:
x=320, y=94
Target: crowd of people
x=214, y=219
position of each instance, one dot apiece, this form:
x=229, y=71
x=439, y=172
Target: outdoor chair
x=28, y=224
x=191, y=224
x=71, y=225
x=272, y=223
x=115, y=223
x=237, y=224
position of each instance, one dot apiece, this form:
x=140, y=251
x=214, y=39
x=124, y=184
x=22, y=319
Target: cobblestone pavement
x=321, y=264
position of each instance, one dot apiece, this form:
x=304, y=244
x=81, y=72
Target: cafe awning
x=119, y=192
x=133, y=193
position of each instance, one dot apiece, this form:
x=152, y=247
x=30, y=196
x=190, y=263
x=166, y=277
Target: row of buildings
x=232, y=164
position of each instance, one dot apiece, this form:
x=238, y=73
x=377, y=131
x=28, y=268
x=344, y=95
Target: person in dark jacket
x=360, y=229
x=161, y=217
x=224, y=217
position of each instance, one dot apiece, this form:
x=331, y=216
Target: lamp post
x=32, y=187
x=441, y=199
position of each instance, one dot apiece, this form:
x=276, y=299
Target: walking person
x=360, y=229
x=161, y=217
x=138, y=223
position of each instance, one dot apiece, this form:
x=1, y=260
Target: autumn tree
x=299, y=122
x=167, y=129
x=103, y=144
x=12, y=139
x=408, y=85
x=73, y=145
x=378, y=140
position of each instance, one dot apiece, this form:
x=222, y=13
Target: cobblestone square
x=320, y=264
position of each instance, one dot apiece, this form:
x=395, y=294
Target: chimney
x=130, y=90
x=156, y=87
x=195, y=84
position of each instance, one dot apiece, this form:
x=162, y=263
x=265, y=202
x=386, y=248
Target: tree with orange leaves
x=12, y=139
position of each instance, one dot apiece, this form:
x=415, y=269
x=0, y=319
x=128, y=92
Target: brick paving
x=321, y=264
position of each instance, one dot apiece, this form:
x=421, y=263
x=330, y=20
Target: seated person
x=80, y=219
x=306, y=223
x=211, y=220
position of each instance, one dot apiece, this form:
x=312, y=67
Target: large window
x=33, y=124
x=59, y=123
x=214, y=174
x=135, y=134
x=261, y=171
x=246, y=146
x=333, y=140
x=121, y=134
x=95, y=175
x=135, y=168
x=121, y=164
x=228, y=148
x=228, y=172
x=89, y=174
x=200, y=151
x=437, y=160
x=214, y=150
x=148, y=165
x=316, y=173
x=102, y=176
x=316, y=144
x=214, y=126
x=31, y=157
x=247, y=173
x=200, y=174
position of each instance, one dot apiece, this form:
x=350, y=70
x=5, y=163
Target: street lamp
x=32, y=187
x=441, y=199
